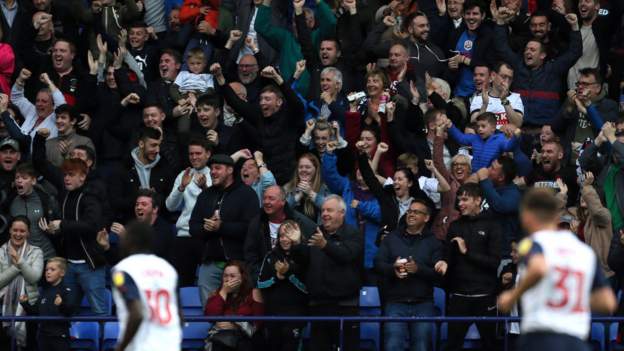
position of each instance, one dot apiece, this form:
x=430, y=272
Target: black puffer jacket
x=334, y=272
x=475, y=272
x=237, y=205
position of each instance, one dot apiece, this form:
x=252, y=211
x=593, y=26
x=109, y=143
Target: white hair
x=444, y=86
x=341, y=203
x=337, y=75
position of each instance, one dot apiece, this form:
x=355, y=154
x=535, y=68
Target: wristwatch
x=505, y=102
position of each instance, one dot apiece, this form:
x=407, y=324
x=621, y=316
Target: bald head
x=247, y=69
x=273, y=202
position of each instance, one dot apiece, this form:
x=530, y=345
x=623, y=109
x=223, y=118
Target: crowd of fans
x=289, y=153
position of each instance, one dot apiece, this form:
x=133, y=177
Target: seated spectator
x=487, y=144
x=235, y=296
x=34, y=202
x=407, y=259
x=306, y=192
x=81, y=218
x=55, y=299
x=281, y=282
x=499, y=100
x=220, y=219
x=59, y=148
x=254, y=172
x=21, y=266
x=186, y=251
x=263, y=234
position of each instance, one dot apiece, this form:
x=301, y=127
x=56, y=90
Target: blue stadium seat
x=191, y=304
x=597, y=338
x=194, y=335
x=471, y=341
x=370, y=305
x=85, y=307
x=111, y=333
x=85, y=336
x=439, y=301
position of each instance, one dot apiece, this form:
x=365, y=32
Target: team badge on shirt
x=468, y=45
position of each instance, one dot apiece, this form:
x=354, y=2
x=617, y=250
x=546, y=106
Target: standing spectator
x=507, y=106
x=423, y=51
x=21, y=265
x=263, y=233
x=7, y=61
x=611, y=177
x=187, y=250
x=539, y=81
x=281, y=282
x=306, y=192
x=55, y=300
x=234, y=295
x=10, y=155
x=407, y=259
x=552, y=168
x=254, y=173
x=81, y=218
x=32, y=201
x=158, y=90
x=279, y=120
x=59, y=148
x=41, y=114
x=220, y=218
x=503, y=198
x=474, y=246
x=333, y=255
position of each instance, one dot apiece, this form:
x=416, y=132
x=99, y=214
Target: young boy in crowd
x=194, y=81
x=487, y=145
x=54, y=300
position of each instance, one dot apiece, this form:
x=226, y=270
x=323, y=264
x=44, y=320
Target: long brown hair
x=308, y=205
x=244, y=291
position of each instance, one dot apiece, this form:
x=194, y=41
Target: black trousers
x=186, y=255
x=53, y=343
x=547, y=341
x=326, y=335
x=471, y=306
x=284, y=336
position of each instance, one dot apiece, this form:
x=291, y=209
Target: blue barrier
x=341, y=319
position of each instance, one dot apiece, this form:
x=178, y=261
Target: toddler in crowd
x=193, y=82
x=55, y=300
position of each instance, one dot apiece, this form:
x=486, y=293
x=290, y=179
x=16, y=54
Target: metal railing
x=606, y=321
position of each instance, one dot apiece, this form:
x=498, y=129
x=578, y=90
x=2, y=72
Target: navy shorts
x=548, y=341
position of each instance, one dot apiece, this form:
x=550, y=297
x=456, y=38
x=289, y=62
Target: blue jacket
x=484, y=151
x=367, y=209
x=540, y=88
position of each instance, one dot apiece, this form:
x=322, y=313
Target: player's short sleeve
x=600, y=280
x=126, y=286
x=516, y=102
x=528, y=248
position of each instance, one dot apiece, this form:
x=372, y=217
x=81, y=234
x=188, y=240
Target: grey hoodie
x=143, y=170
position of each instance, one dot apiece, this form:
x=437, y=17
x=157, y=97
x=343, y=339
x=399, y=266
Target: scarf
x=12, y=292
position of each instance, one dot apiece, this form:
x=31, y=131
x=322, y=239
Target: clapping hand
x=281, y=268
x=317, y=239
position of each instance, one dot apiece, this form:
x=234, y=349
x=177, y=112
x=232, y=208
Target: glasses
x=410, y=211
x=246, y=66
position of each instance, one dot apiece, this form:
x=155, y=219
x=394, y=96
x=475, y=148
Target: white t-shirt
x=273, y=232
x=496, y=107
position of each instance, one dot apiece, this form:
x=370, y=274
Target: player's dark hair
x=211, y=100
x=590, y=71
x=153, y=195
x=500, y=64
x=138, y=237
x=542, y=204
x=422, y=202
x=20, y=218
x=26, y=168
x=203, y=143
x=488, y=117
x=150, y=133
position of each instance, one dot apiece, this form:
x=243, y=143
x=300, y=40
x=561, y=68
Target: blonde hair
x=464, y=158
x=62, y=263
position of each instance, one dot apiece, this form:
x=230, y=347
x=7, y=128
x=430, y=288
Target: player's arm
x=130, y=293
x=602, y=298
x=535, y=271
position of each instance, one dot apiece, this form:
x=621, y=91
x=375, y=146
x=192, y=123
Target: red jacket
x=190, y=11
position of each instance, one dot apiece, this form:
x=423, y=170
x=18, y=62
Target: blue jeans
x=92, y=283
x=209, y=279
x=418, y=334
